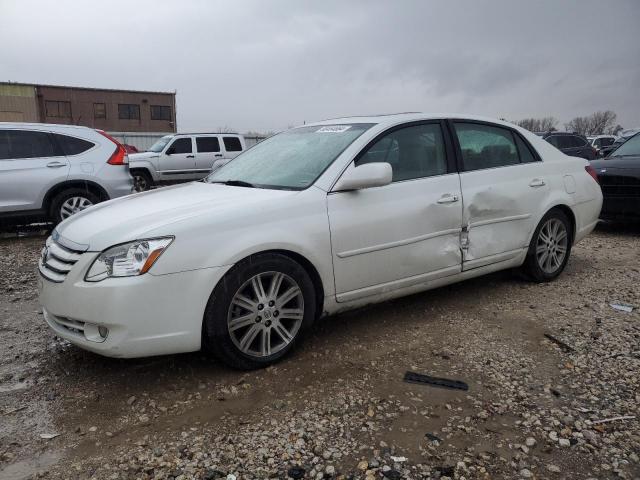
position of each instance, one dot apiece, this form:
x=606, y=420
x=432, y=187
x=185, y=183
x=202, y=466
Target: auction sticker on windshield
x=334, y=129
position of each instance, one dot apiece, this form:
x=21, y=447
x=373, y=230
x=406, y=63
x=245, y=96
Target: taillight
x=592, y=171
x=119, y=157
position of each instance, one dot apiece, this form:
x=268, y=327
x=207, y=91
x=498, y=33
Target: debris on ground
x=564, y=346
x=622, y=307
x=419, y=378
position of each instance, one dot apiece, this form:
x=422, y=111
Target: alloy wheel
x=74, y=205
x=551, y=246
x=265, y=314
x=140, y=183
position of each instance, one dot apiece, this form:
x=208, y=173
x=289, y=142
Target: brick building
x=107, y=109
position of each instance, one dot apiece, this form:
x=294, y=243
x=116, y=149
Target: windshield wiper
x=237, y=183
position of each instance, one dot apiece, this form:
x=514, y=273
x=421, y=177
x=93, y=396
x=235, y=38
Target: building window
x=128, y=111
x=160, y=112
x=58, y=109
x=99, y=110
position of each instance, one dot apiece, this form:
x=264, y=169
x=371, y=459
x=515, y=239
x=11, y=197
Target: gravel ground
x=337, y=407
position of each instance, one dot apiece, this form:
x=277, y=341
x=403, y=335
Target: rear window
x=16, y=144
x=208, y=144
x=72, y=145
x=232, y=144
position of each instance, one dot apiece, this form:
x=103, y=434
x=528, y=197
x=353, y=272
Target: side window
x=413, y=152
x=4, y=145
x=553, y=140
x=565, y=141
x=578, y=141
x=526, y=155
x=181, y=145
x=232, y=144
x=72, y=145
x=28, y=144
x=485, y=146
x=207, y=144
x=606, y=142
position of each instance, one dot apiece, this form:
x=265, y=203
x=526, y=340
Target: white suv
x=49, y=172
x=183, y=157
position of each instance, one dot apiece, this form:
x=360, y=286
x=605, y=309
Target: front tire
x=259, y=311
x=550, y=247
x=142, y=180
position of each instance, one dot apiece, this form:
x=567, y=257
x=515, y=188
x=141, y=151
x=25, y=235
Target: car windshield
x=160, y=144
x=293, y=159
x=628, y=148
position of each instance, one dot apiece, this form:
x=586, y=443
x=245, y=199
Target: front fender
x=147, y=165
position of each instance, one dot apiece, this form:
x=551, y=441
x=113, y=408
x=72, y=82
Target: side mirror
x=369, y=175
x=170, y=151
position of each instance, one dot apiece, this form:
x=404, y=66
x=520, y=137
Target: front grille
x=56, y=261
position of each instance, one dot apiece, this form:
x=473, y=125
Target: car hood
x=153, y=213
x=142, y=156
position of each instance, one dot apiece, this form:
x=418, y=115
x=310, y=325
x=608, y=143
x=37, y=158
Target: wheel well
x=83, y=184
x=572, y=218
x=311, y=271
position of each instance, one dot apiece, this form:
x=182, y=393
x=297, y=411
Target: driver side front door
x=178, y=161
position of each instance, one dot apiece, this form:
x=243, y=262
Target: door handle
x=448, y=198
x=218, y=155
x=56, y=164
x=537, y=182
x=190, y=156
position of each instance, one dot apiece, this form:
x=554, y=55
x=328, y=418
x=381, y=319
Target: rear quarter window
x=72, y=145
x=232, y=144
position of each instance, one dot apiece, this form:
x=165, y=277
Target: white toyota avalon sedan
x=312, y=221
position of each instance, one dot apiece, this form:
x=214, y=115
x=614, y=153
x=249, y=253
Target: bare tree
x=545, y=124
x=597, y=123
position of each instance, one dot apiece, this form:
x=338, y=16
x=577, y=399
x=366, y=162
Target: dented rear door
x=503, y=187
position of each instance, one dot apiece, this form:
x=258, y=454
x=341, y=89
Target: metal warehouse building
x=106, y=109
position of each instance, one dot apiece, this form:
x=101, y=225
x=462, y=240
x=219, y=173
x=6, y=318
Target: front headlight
x=128, y=259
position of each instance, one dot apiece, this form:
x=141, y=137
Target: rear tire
x=550, y=247
x=259, y=311
x=142, y=180
x=71, y=201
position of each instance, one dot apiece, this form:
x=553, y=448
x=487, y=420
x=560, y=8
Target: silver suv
x=183, y=157
x=49, y=172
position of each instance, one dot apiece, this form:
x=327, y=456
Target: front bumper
x=145, y=315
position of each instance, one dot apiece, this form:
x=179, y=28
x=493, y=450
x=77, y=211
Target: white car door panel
x=403, y=233
x=178, y=160
x=500, y=202
x=383, y=235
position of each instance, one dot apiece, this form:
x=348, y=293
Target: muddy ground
x=338, y=406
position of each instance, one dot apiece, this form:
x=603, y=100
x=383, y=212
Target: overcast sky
x=265, y=65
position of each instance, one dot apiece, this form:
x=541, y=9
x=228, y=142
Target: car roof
x=395, y=118
x=206, y=133
x=42, y=125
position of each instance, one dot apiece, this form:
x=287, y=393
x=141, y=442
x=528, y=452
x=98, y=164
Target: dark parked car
x=571, y=144
x=619, y=176
x=624, y=136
